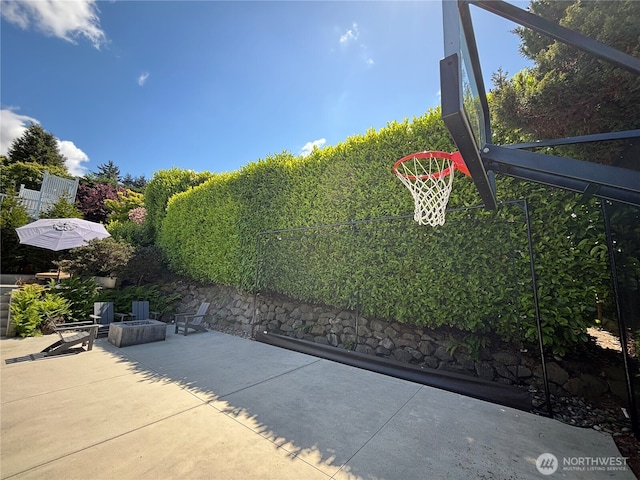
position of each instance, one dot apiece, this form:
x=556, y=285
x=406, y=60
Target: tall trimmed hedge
x=210, y=233
x=397, y=269
x=163, y=185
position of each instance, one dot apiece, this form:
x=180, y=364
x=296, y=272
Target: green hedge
x=163, y=185
x=210, y=234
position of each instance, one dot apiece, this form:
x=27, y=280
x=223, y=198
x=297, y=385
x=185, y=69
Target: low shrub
x=80, y=292
x=106, y=258
x=123, y=297
x=31, y=306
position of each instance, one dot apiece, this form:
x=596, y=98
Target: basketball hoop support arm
x=456, y=122
x=560, y=33
x=604, y=181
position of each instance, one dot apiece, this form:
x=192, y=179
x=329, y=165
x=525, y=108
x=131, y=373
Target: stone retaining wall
x=232, y=311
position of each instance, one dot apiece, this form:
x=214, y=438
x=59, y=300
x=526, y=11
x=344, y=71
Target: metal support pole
x=357, y=318
x=355, y=235
x=621, y=323
x=534, y=286
x=255, y=288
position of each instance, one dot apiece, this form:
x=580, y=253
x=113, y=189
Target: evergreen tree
x=570, y=92
x=134, y=182
x=36, y=145
x=107, y=173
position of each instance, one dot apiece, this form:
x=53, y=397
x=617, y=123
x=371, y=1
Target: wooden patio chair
x=192, y=321
x=102, y=316
x=71, y=335
x=139, y=311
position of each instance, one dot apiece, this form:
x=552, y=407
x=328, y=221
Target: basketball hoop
x=429, y=178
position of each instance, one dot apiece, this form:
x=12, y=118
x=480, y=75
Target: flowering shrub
x=138, y=215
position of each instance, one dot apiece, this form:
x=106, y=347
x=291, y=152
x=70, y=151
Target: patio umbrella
x=60, y=233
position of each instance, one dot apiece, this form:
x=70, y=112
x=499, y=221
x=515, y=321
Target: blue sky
x=211, y=85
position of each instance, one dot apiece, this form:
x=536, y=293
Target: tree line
x=37, y=149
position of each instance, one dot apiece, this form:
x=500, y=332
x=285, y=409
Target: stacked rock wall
x=232, y=311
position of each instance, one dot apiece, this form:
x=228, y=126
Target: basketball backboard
x=466, y=114
x=464, y=103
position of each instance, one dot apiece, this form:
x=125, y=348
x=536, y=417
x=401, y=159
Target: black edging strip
x=493, y=392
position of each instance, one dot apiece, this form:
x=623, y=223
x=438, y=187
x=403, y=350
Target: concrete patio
x=215, y=406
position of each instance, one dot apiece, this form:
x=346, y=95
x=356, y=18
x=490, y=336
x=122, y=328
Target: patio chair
x=71, y=335
x=102, y=316
x=192, y=321
x=139, y=311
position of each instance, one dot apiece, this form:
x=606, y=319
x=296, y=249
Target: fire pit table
x=124, y=334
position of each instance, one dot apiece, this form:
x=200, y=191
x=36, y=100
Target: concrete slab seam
x=88, y=447
x=391, y=417
x=63, y=389
x=269, y=379
x=270, y=440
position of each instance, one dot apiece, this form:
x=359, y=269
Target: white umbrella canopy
x=60, y=233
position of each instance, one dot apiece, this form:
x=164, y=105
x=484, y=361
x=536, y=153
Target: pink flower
x=138, y=215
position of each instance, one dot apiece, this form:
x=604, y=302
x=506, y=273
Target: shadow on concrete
x=211, y=405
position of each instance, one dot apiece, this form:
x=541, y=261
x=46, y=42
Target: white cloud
x=68, y=20
x=351, y=34
x=13, y=125
x=74, y=158
x=309, y=146
x=142, y=79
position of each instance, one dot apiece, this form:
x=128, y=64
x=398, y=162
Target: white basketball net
x=429, y=187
